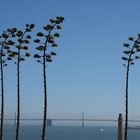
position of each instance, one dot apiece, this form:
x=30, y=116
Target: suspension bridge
x=82, y=119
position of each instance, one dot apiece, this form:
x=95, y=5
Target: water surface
x=33, y=132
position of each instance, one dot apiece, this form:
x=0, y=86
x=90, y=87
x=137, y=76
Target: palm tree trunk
x=2, y=98
x=45, y=100
x=18, y=97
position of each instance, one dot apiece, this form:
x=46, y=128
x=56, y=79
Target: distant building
x=49, y=122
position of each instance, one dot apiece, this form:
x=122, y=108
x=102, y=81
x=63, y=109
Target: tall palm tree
x=47, y=40
x=130, y=53
x=21, y=39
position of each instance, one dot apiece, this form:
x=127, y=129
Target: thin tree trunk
x=45, y=87
x=126, y=90
x=126, y=102
x=2, y=98
x=45, y=100
x=18, y=97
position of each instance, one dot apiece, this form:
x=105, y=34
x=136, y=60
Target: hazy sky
x=87, y=74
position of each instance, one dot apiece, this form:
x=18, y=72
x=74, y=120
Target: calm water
x=32, y=132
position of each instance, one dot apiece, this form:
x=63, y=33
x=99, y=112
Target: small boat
x=101, y=130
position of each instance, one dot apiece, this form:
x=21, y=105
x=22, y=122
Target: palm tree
x=21, y=38
x=3, y=39
x=44, y=41
x=130, y=53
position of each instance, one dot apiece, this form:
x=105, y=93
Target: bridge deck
x=64, y=119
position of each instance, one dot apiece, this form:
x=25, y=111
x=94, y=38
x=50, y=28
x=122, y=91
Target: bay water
x=33, y=132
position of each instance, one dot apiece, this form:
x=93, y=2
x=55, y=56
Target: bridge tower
x=83, y=125
x=15, y=118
